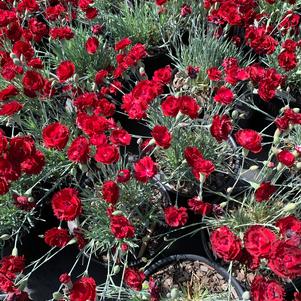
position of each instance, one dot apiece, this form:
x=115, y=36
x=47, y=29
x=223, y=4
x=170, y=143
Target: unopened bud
x=145, y=286
x=298, y=165
x=116, y=269
x=276, y=136
x=295, y=153
x=283, y=109
x=178, y=116
x=13, y=56
x=57, y=296
x=275, y=150
x=254, y=185
x=76, y=78
x=73, y=171
x=152, y=141
x=235, y=114
x=280, y=166
x=142, y=71
x=290, y=207
x=229, y=189
x=117, y=212
x=246, y=296
x=73, y=225
x=4, y=237
x=245, y=152
x=28, y=192
x=223, y=204
x=202, y=178
x=72, y=241
x=14, y=252
x=17, y=62
x=174, y=293
x=253, y=167
x=296, y=110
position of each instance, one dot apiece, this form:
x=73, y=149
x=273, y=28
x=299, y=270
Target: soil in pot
x=190, y=279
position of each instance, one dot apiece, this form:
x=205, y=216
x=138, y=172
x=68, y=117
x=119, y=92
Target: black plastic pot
x=191, y=257
x=206, y=245
x=157, y=58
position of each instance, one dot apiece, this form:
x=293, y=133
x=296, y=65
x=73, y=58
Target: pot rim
x=192, y=257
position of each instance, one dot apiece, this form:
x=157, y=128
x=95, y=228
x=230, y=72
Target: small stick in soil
x=146, y=240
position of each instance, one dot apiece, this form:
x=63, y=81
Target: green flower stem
x=229, y=281
x=122, y=277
